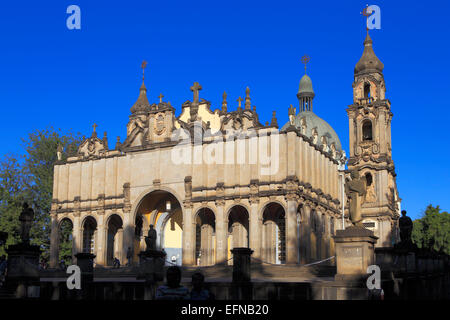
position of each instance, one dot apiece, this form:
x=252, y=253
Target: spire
x=274, y=122
x=141, y=104
x=224, y=102
x=369, y=62
x=247, y=99
x=305, y=93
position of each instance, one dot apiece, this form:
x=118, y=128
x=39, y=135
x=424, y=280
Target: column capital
x=220, y=202
x=188, y=204
x=291, y=196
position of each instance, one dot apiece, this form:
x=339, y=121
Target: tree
x=432, y=231
x=13, y=183
x=31, y=180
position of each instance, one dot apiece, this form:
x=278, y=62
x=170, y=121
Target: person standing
x=129, y=256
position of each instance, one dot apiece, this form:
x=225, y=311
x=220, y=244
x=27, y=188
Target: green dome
x=305, y=85
x=312, y=121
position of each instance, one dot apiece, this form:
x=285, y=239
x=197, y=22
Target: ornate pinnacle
x=94, y=133
x=274, y=122
x=239, y=100
x=118, y=143
x=105, y=141
x=224, y=102
x=291, y=110
x=247, y=99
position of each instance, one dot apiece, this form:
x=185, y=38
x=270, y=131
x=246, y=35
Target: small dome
x=369, y=62
x=312, y=121
x=305, y=86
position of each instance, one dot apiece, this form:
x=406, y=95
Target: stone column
x=54, y=245
x=77, y=237
x=128, y=234
x=188, y=235
x=221, y=233
x=255, y=228
x=118, y=244
x=291, y=229
x=101, y=242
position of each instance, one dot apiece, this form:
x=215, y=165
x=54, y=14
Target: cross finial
x=239, y=100
x=305, y=59
x=160, y=97
x=367, y=15
x=195, y=88
x=143, y=66
x=94, y=126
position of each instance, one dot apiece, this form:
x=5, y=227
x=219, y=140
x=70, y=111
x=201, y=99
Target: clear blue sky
x=50, y=75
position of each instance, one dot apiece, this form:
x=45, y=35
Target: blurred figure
x=116, y=263
x=129, y=256
x=172, y=290
x=198, y=292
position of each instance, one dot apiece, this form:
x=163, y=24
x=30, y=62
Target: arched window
x=366, y=90
x=368, y=179
x=367, y=130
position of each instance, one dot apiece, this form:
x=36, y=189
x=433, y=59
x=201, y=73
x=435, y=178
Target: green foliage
x=31, y=180
x=13, y=182
x=432, y=231
x=65, y=236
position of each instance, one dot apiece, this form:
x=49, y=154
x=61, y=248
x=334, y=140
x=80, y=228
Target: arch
x=274, y=233
x=152, y=208
x=367, y=131
x=65, y=240
x=205, y=239
x=143, y=194
x=261, y=210
x=89, y=227
x=114, y=238
x=238, y=227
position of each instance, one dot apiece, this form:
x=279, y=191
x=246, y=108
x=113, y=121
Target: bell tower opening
x=367, y=130
x=366, y=90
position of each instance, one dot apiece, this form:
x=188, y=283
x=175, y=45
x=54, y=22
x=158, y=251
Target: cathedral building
x=212, y=180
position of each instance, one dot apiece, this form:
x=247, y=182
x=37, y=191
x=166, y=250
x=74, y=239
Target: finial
x=367, y=15
x=195, y=89
x=247, y=99
x=105, y=141
x=118, y=143
x=274, y=122
x=224, y=102
x=94, y=126
x=305, y=59
x=239, y=100
x=143, y=66
x=160, y=97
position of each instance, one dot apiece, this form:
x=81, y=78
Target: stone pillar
x=291, y=229
x=255, y=228
x=54, y=245
x=354, y=252
x=101, y=244
x=77, y=236
x=118, y=244
x=221, y=233
x=188, y=236
x=128, y=234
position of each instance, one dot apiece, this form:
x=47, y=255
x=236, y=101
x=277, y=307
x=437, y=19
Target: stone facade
x=210, y=181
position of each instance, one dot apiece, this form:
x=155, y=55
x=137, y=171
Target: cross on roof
x=94, y=126
x=305, y=59
x=160, y=97
x=143, y=66
x=195, y=88
x=239, y=100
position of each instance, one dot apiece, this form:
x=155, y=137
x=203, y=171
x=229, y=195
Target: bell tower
x=371, y=149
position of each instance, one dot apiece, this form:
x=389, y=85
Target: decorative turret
x=141, y=105
x=247, y=99
x=305, y=93
x=369, y=62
